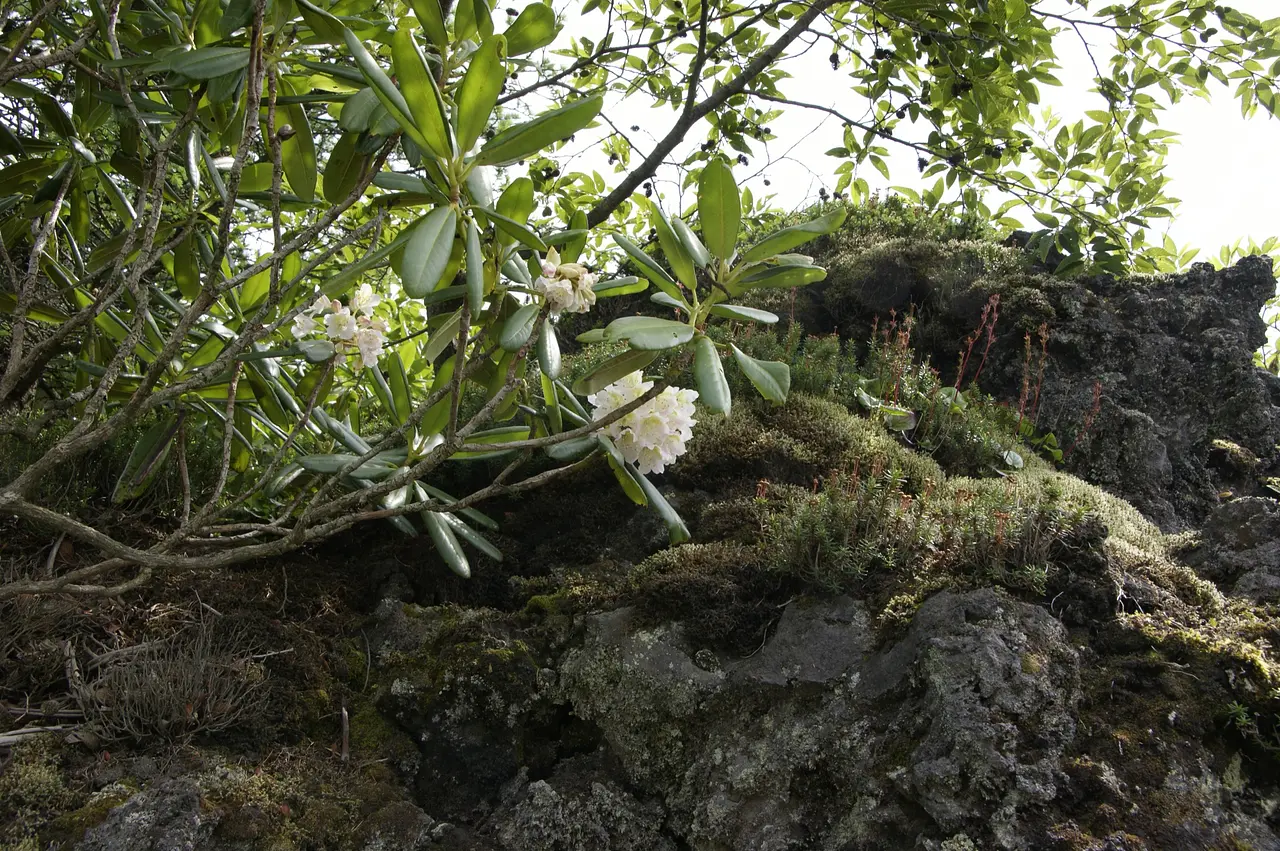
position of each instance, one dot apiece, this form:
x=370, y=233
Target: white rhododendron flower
x=566, y=286
x=369, y=341
x=560, y=295
x=321, y=305
x=653, y=435
x=304, y=325
x=340, y=325
x=365, y=300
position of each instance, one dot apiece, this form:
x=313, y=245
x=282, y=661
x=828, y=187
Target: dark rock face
x=820, y=740
x=1173, y=357
x=1240, y=550
x=165, y=818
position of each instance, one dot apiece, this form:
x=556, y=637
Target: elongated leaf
x=431, y=17
x=326, y=27
x=649, y=267
x=555, y=420
x=611, y=370
x=514, y=229
x=697, y=251
x=667, y=301
x=344, y=170
x=575, y=238
x=516, y=201
x=386, y=91
x=771, y=378
x=719, y=208
x=573, y=450
x=186, y=272
x=475, y=516
x=427, y=253
x=38, y=312
x=205, y=63
x=446, y=544
x=146, y=459
x=780, y=277
x=549, y=351
x=649, y=332
x=535, y=27
x=371, y=470
x=677, y=531
x=359, y=112
x=471, y=536
x=673, y=248
x=298, y=152
x=746, y=314
x=518, y=327
x=619, y=286
x=475, y=268
x=622, y=471
x=796, y=235
x=523, y=140
x=478, y=93
x=713, y=389
x=420, y=91
x=341, y=282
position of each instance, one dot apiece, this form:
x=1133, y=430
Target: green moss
x=70, y=827
x=34, y=791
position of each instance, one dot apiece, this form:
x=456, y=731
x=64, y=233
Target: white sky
x=1222, y=167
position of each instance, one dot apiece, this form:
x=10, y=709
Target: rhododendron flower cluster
x=566, y=286
x=351, y=327
x=653, y=435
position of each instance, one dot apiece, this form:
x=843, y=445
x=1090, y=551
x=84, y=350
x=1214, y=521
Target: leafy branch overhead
x=327, y=247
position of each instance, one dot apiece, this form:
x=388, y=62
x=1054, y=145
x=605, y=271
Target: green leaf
x=431, y=17
x=471, y=536
x=475, y=268
x=713, y=389
x=573, y=450
x=384, y=89
x=551, y=402
x=677, y=532
x=771, y=378
x=535, y=27
x=514, y=229
x=446, y=544
x=649, y=267
x=611, y=370
x=780, y=277
x=327, y=28
x=205, y=63
x=344, y=170
x=298, y=153
x=667, y=301
x=619, y=286
x=692, y=244
x=549, y=351
x=789, y=238
x=649, y=332
x=575, y=238
x=523, y=140
x=518, y=327
x=420, y=92
x=622, y=471
x=478, y=93
x=146, y=460
x=672, y=246
x=427, y=253
x=746, y=314
x=719, y=208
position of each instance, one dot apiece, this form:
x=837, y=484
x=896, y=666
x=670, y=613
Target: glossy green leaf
x=611, y=370
x=677, y=531
x=555, y=420
x=446, y=544
x=697, y=251
x=719, y=208
x=575, y=238
x=475, y=268
x=771, y=378
x=622, y=471
x=420, y=92
x=573, y=450
x=619, y=286
x=478, y=93
x=427, y=253
x=385, y=90
x=745, y=314
x=535, y=27
x=146, y=459
x=344, y=170
x=518, y=327
x=326, y=27
x=298, y=152
x=780, y=277
x=514, y=229
x=673, y=248
x=471, y=536
x=549, y=350
x=649, y=267
x=713, y=389
x=205, y=63
x=523, y=140
x=649, y=332
x=796, y=235
x=431, y=17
